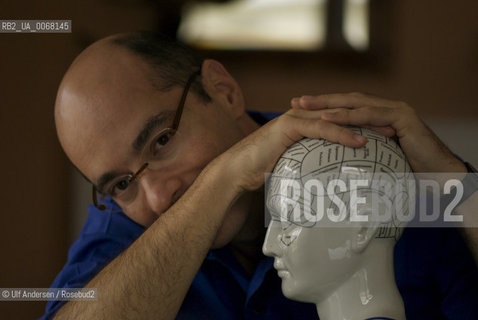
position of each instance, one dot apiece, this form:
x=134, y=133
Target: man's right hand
x=250, y=158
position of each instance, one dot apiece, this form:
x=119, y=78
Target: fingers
x=378, y=114
x=305, y=114
x=294, y=102
x=313, y=128
x=366, y=116
x=341, y=100
x=384, y=131
x=305, y=102
x=310, y=123
x=299, y=112
x=384, y=116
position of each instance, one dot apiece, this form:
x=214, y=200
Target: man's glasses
x=125, y=188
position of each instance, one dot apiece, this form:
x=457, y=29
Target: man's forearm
x=151, y=278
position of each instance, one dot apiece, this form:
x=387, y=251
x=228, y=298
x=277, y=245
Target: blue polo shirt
x=434, y=271
x=221, y=289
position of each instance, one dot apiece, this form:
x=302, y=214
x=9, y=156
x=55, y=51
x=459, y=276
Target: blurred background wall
x=430, y=60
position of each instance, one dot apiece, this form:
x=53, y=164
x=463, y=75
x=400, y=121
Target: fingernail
x=294, y=100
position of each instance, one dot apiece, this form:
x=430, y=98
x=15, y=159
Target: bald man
x=176, y=162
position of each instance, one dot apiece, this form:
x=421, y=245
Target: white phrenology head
x=319, y=196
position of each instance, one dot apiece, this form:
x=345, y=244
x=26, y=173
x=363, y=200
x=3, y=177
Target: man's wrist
x=219, y=175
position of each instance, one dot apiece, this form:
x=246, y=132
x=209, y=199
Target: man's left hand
x=424, y=150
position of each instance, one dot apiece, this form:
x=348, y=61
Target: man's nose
x=160, y=190
x=271, y=246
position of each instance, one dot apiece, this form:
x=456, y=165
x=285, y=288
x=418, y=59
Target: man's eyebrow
x=144, y=135
x=149, y=127
x=104, y=179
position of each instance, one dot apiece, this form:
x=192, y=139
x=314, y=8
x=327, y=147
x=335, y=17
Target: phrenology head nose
x=271, y=245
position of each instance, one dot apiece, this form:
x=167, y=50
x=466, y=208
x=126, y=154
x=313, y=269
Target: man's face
x=104, y=105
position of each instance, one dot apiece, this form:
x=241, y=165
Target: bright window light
x=255, y=24
x=356, y=24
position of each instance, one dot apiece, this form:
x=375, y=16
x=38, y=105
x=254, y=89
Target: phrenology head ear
x=365, y=232
x=376, y=218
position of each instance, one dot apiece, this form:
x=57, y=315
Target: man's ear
x=222, y=87
x=365, y=233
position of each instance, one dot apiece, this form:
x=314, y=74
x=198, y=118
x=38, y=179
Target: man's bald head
x=114, y=71
x=171, y=63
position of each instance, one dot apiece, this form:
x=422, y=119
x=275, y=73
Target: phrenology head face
x=327, y=204
x=120, y=95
